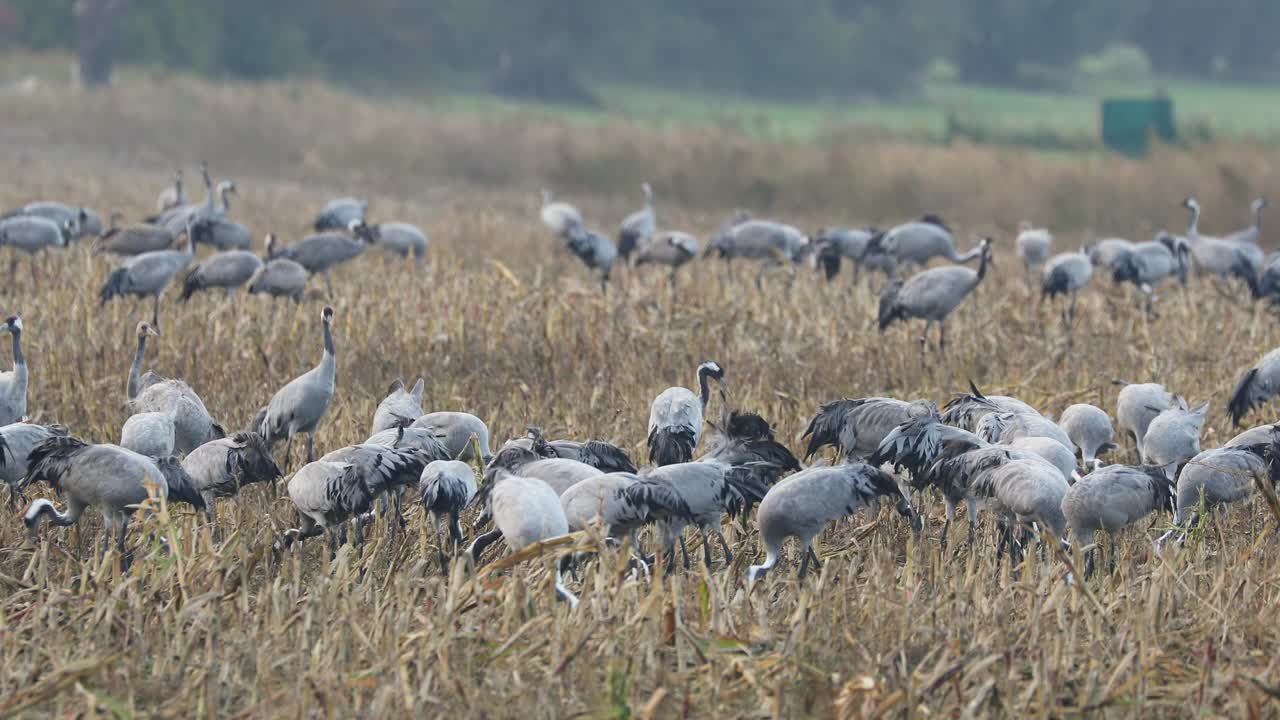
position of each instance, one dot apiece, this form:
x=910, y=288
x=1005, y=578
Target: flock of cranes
x=990, y=453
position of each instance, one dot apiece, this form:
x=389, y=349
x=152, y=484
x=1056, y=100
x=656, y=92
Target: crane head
x=145, y=329
x=326, y=315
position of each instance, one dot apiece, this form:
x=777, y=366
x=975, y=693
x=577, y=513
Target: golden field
x=502, y=324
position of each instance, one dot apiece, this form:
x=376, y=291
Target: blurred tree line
x=549, y=47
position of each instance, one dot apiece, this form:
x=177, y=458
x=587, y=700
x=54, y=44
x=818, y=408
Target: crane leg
x=684, y=549
x=706, y=547
x=328, y=284
x=311, y=446
x=728, y=554
x=817, y=564
x=804, y=562
x=942, y=337
x=35, y=278
x=288, y=453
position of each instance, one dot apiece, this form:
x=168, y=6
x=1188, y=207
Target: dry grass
x=890, y=626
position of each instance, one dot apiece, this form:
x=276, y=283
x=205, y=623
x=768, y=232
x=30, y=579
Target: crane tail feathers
x=671, y=446
x=1242, y=397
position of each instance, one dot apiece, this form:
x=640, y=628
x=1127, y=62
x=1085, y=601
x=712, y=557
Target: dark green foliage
x=558, y=48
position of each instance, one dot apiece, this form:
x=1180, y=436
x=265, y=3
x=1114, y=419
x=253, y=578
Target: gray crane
x=595, y=251
x=401, y=239
x=744, y=462
x=1137, y=405
x=326, y=495
x=213, y=209
x=673, y=249
x=13, y=384
x=145, y=393
x=604, y=456
x=424, y=440
x=1173, y=437
x=148, y=274
x=1104, y=253
x=109, y=477
x=638, y=227
x=279, y=277
x=386, y=471
x=919, y=241
x=1052, y=450
x=338, y=214
x=17, y=440
x=768, y=242
x=1003, y=428
x=524, y=511
x=1151, y=263
x=833, y=245
x=172, y=196
x=1253, y=436
x=1110, y=499
x=675, y=418
x=134, y=239
x=1089, y=428
x=560, y=217
x=447, y=487
x=1252, y=234
x=557, y=472
x=1222, y=476
x=456, y=430
x=944, y=457
x=400, y=407
x=322, y=252
x=299, y=406
x=1218, y=256
x=1033, y=246
x=1256, y=386
x=966, y=410
x=149, y=433
x=1066, y=274
x=932, y=295
x=219, y=468
x=1023, y=491
x=1266, y=285
x=622, y=502
x=32, y=235
x=74, y=221
x=227, y=270
x=223, y=233
x=803, y=505
x=858, y=426
x=177, y=215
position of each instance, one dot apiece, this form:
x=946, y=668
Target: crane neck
x=973, y=253
x=226, y=204
x=18, y=359
x=982, y=265
x=1257, y=218
x=329, y=352
x=135, y=370
x=704, y=389
x=1192, y=230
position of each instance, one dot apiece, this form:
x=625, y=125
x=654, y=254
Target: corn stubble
x=503, y=325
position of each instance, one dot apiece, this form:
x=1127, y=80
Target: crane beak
x=152, y=331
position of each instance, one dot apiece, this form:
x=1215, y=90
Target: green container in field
x=1128, y=124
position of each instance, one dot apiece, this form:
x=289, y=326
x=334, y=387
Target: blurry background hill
x=1026, y=71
